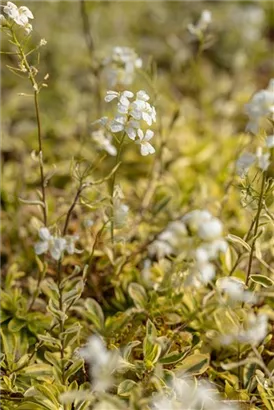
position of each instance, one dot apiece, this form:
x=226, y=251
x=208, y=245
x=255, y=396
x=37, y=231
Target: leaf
x=151, y=348
x=15, y=325
x=38, y=369
x=262, y=280
x=194, y=365
x=125, y=387
x=73, y=369
x=173, y=357
x=138, y=295
x=95, y=313
x=236, y=239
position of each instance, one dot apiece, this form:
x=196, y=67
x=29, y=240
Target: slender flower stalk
x=31, y=76
x=257, y=220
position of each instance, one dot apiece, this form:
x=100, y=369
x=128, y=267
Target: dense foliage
x=137, y=206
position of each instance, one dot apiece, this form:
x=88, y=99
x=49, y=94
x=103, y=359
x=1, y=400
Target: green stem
x=257, y=220
x=38, y=121
x=112, y=186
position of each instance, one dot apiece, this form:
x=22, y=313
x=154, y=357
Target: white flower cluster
x=103, y=140
x=55, y=245
x=120, y=210
x=19, y=15
x=131, y=117
x=187, y=395
x=169, y=241
x=209, y=231
x=261, y=106
x=253, y=331
x=261, y=158
x=235, y=290
x=103, y=363
x=202, y=24
x=120, y=66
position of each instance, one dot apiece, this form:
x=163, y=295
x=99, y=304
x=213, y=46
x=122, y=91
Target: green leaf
x=15, y=325
x=151, y=348
x=73, y=369
x=173, y=357
x=194, y=365
x=125, y=387
x=262, y=280
x=236, y=239
x=95, y=313
x=138, y=295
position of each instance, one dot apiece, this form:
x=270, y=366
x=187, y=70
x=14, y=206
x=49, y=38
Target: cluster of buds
x=120, y=66
x=133, y=115
x=20, y=16
x=55, y=245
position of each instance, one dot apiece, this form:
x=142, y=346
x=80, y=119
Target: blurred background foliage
x=205, y=90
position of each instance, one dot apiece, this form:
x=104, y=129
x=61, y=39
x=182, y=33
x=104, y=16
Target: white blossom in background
x=103, y=141
x=19, y=15
x=133, y=116
x=270, y=141
x=120, y=66
x=120, y=210
x=49, y=243
x=261, y=106
x=235, y=290
x=184, y=394
x=55, y=245
x=169, y=241
x=103, y=363
x=261, y=159
x=209, y=231
x=202, y=24
x=253, y=331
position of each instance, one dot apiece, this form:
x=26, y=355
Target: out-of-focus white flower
x=261, y=106
x=202, y=24
x=43, y=42
x=235, y=289
x=53, y=244
x=70, y=244
x=185, y=394
x=120, y=66
x=194, y=219
x=270, y=141
x=210, y=230
x=169, y=241
x=103, y=141
x=244, y=162
x=160, y=248
x=28, y=28
x=19, y=15
x=146, y=147
x=103, y=363
x=262, y=159
x=253, y=331
x=120, y=210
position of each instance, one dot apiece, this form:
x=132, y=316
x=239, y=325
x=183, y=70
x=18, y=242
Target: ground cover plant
x=137, y=205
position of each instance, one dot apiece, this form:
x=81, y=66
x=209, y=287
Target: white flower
x=210, y=230
x=20, y=15
x=253, y=331
x=262, y=159
x=120, y=66
x=103, y=363
x=43, y=42
x=261, y=106
x=194, y=219
x=146, y=147
x=202, y=24
x=28, y=28
x=244, y=162
x=103, y=141
x=270, y=141
x=70, y=244
x=235, y=289
x=54, y=245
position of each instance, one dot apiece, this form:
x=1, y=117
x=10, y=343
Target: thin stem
x=78, y=193
x=112, y=186
x=257, y=220
x=37, y=113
